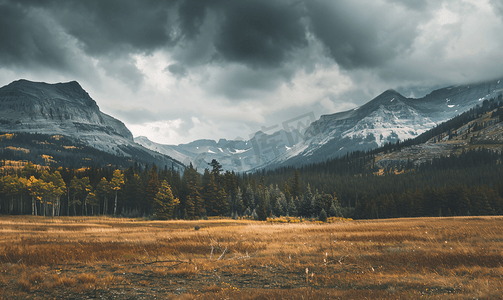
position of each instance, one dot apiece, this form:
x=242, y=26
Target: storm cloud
x=199, y=64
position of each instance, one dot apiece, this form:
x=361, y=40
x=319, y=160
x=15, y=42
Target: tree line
x=468, y=184
x=162, y=193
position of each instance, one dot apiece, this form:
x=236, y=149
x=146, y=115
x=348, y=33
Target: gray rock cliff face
x=62, y=108
x=53, y=108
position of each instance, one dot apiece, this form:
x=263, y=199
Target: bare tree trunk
x=33, y=207
x=115, y=205
x=85, y=204
x=104, y=205
x=74, y=206
x=58, y=212
x=68, y=204
x=11, y=205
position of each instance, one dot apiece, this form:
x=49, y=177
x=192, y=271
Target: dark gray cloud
x=114, y=25
x=178, y=70
x=260, y=33
x=240, y=83
x=420, y=5
x=361, y=34
x=28, y=39
x=191, y=16
x=498, y=6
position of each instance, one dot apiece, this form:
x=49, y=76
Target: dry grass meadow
x=80, y=258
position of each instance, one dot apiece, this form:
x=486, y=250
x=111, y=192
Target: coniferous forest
x=469, y=183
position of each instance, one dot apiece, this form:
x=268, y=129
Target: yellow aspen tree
x=116, y=185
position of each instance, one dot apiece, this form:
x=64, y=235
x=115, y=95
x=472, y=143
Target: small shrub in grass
x=36, y=277
x=211, y=289
x=109, y=279
x=86, y=278
x=66, y=281
x=197, y=227
x=24, y=284
x=59, y=281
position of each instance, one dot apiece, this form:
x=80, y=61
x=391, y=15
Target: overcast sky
x=177, y=71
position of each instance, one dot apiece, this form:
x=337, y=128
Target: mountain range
x=388, y=118
x=66, y=109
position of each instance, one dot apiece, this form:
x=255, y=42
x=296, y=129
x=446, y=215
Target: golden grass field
x=109, y=258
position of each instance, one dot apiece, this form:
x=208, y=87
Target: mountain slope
x=480, y=128
x=386, y=119
x=66, y=109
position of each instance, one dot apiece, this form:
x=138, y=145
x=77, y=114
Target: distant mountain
x=233, y=155
x=386, y=119
x=66, y=109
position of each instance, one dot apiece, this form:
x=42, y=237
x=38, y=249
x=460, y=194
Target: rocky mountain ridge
x=67, y=109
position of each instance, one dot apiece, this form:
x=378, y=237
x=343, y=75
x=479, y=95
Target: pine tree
x=261, y=209
x=296, y=188
x=238, y=202
x=152, y=187
x=249, y=197
x=292, y=208
x=286, y=191
x=164, y=202
x=306, y=210
x=193, y=204
x=323, y=215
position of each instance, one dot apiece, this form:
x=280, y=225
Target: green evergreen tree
x=323, y=215
x=261, y=209
x=193, y=203
x=164, y=202
x=238, y=202
x=292, y=208
x=152, y=187
x=306, y=206
x=296, y=188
